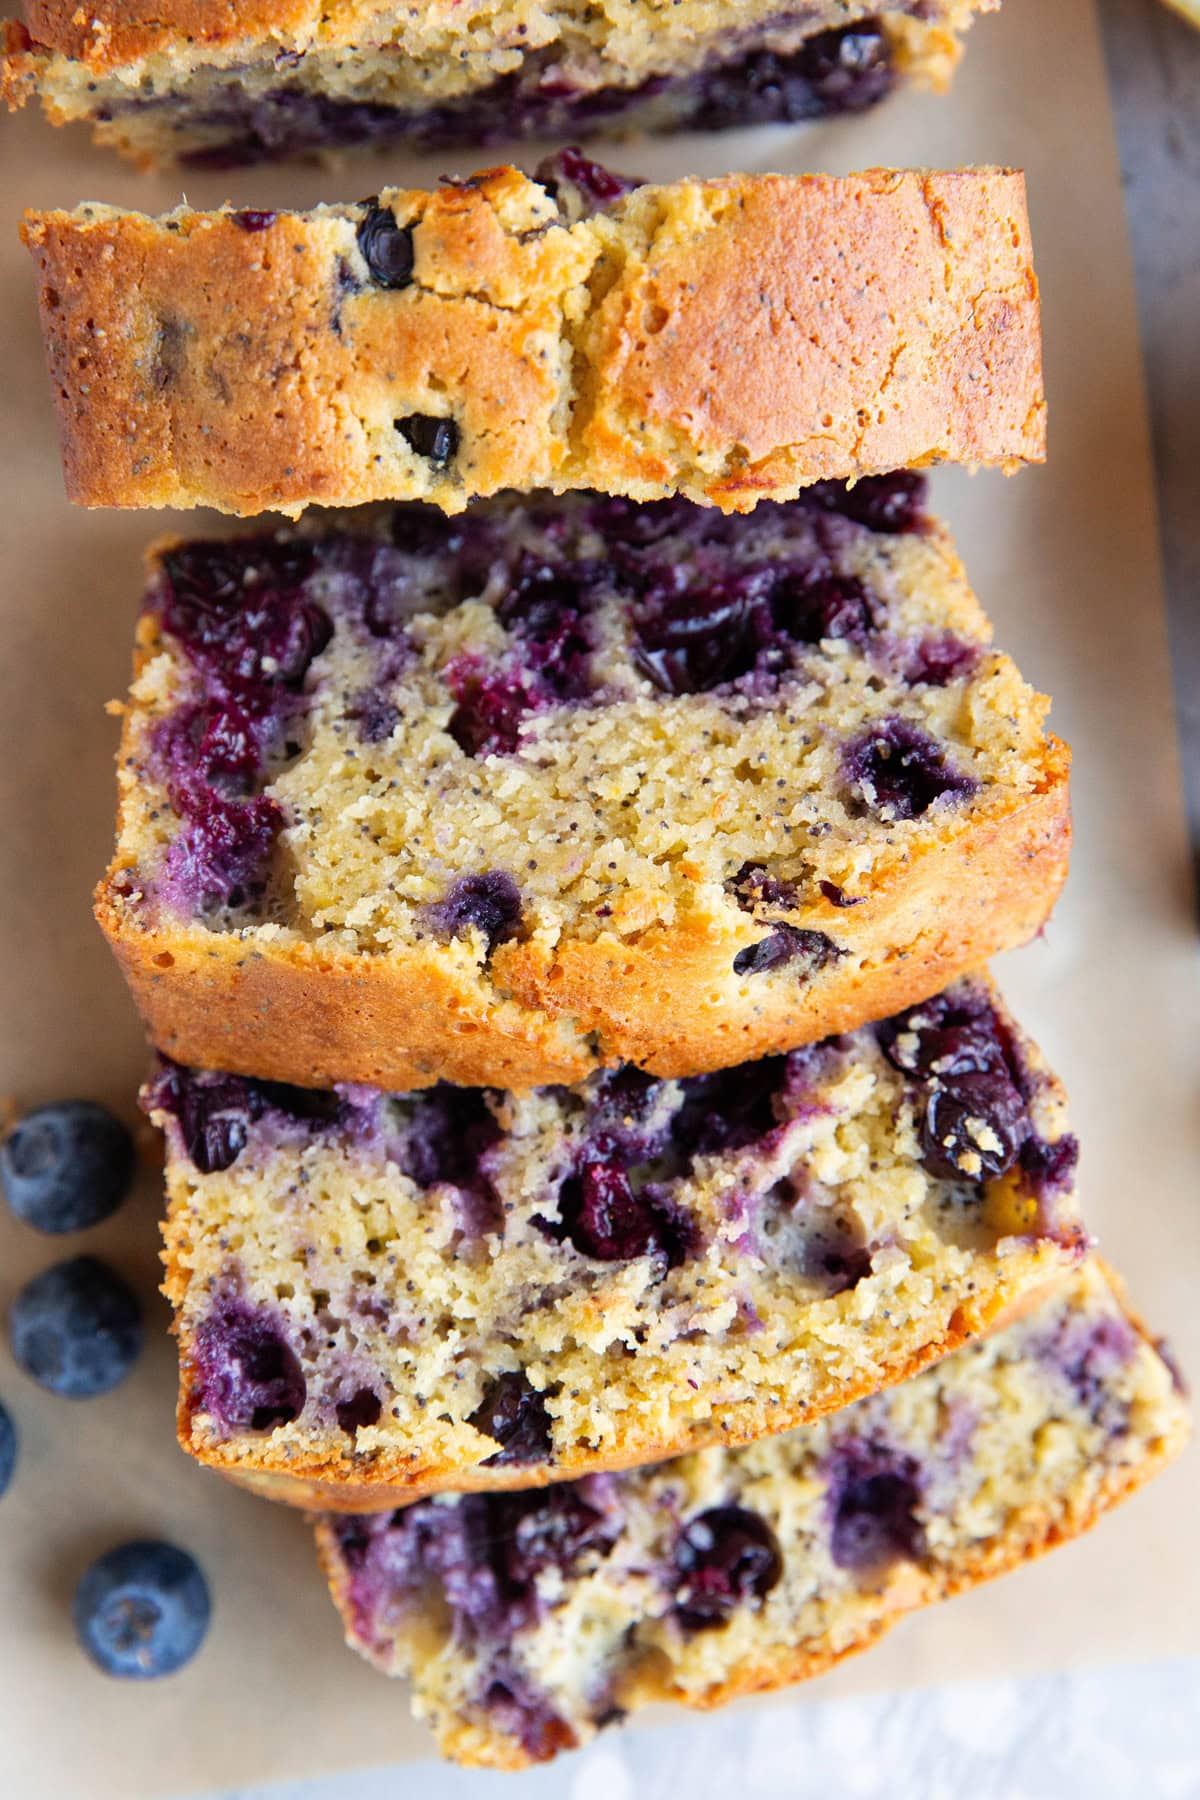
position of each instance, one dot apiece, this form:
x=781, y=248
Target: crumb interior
x=615, y=710
x=528, y=1621
x=388, y=1288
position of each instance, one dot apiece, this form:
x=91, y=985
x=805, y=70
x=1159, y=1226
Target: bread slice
x=214, y=85
x=378, y=1298
x=567, y=783
x=730, y=340
x=528, y=1621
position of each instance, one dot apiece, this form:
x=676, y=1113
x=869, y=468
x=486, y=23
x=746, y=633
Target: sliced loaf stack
x=600, y=1176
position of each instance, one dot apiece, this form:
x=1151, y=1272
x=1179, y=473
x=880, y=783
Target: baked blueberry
x=246, y=1375
x=251, y=220
x=142, y=1610
x=361, y=1410
x=434, y=439
x=873, y=1498
x=76, y=1328
x=784, y=945
x=514, y=1413
x=900, y=771
x=8, y=1447
x=605, y=1219
x=387, y=247
x=67, y=1166
x=726, y=1557
x=489, y=902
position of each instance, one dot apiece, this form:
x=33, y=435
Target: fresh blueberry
x=142, y=1610
x=76, y=1328
x=67, y=1166
x=514, y=1413
x=726, y=1557
x=387, y=247
x=8, y=1447
x=434, y=439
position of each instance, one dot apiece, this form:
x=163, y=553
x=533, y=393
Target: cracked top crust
x=729, y=340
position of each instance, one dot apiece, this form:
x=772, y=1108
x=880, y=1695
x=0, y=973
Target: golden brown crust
x=1036, y=1532
x=728, y=340
x=296, y=1012
x=686, y=348
x=1033, y=1532
x=106, y=33
x=394, y=1481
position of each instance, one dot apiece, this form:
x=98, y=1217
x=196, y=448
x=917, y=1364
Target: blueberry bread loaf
x=730, y=340
x=563, y=783
x=378, y=1297
x=211, y=84
x=528, y=1621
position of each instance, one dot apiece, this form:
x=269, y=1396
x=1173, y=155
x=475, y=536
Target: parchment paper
x=1065, y=559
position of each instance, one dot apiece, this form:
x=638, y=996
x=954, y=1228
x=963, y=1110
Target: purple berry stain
x=514, y=1413
x=873, y=1502
x=245, y=1374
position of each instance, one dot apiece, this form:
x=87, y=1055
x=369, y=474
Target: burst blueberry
x=514, y=1413
x=76, y=1328
x=489, y=903
x=67, y=1166
x=602, y=1216
x=490, y=712
x=246, y=1375
x=874, y=1499
x=973, y=1126
x=900, y=772
x=142, y=1610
